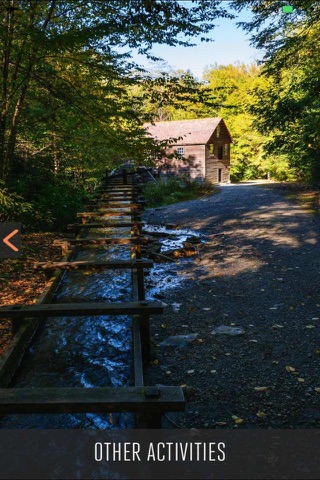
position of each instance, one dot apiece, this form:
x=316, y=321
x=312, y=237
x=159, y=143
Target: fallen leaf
x=310, y=326
x=183, y=385
x=154, y=362
x=317, y=389
x=261, y=389
x=164, y=325
x=300, y=380
x=221, y=423
x=237, y=420
x=276, y=325
x=290, y=369
x=261, y=414
x=190, y=372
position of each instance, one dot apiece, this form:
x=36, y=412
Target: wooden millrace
x=148, y=403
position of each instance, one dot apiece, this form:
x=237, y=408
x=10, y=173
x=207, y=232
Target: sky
x=230, y=45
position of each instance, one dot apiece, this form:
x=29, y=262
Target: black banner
x=157, y=454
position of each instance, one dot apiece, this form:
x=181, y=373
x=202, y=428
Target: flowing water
x=91, y=351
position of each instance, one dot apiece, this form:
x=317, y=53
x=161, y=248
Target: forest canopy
x=73, y=101
x=67, y=76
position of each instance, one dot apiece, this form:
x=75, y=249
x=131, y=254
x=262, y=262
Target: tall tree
x=37, y=36
x=289, y=110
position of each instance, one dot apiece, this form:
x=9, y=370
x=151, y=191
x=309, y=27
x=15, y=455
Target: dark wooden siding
x=193, y=166
x=213, y=162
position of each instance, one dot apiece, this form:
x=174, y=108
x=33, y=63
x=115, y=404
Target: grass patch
x=175, y=190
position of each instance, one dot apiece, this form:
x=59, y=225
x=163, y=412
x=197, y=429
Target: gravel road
x=257, y=272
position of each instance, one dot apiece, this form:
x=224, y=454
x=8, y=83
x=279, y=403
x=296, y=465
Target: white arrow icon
x=7, y=238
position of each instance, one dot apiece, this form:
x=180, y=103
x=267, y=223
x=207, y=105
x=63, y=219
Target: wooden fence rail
x=148, y=403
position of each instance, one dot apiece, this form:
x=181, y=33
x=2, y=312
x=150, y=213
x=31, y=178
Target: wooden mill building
x=201, y=148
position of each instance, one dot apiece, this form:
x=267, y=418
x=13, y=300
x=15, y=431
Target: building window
x=218, y=131
x=211, y=148
x=220, y=153
x=180, y=151
x=226, y=150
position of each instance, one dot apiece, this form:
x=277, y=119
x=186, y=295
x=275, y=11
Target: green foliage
x=173, y=190
x=287, y=109
x=235, y=89
x=66, y=68
x=13, y=207
x=175, y=95
x=53, y=207
x=70, y=94
x=230, y=92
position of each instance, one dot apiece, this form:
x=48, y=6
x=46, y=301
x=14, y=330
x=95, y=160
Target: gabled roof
x=194, y=132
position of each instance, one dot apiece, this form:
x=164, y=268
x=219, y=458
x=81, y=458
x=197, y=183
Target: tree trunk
x=13, y=131
x=2, y=147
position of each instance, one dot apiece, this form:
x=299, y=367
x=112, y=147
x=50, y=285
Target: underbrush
x=49, y=208
x=306, y=195
x=174, y=190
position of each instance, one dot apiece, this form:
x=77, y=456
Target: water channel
x=91, y=351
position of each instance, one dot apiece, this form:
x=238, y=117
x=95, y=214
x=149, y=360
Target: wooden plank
x=106, y=224
x=137, y=342
x=127, y=190
x=106, y=214
x=80, y=265
x=137, y=354
x=102, y=241
x=106, y=205
x=117, y=195
x=121, y=188
x=104, y=201
x=95, y=400
x=81, y=309
x=11, y=360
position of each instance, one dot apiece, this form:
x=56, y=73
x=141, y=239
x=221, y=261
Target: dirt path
x=258, y=271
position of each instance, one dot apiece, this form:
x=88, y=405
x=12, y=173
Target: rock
x=226, y=330
x=159, y=296
x=176, y=306
x=179, y=340
x=193, y=239
x=171, y=226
